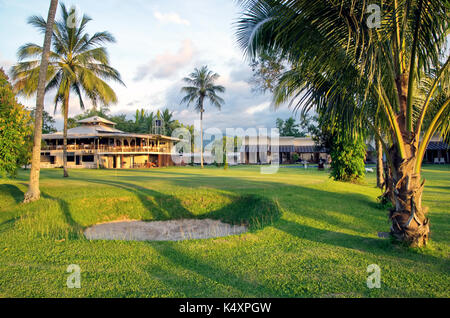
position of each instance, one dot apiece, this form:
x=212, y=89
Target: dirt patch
x=174, y=230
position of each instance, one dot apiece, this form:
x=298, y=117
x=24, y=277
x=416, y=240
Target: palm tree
x=202, y=86
x=150, y=120
x=33, y=192
x=78, y=63
x=166, y=117
x=335, y=54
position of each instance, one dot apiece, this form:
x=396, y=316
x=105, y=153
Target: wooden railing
x=103, y=148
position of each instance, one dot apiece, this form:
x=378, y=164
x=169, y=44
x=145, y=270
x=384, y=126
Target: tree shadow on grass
x=75, y=227
x=374, y=246
x=213, y=275
x=13, y=191
x=160, y=206
x=251, y=210
x=254, y=211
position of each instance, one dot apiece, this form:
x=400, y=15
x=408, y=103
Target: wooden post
x=98, y=156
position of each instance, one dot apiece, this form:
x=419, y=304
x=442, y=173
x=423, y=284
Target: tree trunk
x=388, y=186
x=66, y=115
x=33, y=192
x=380, y=168
x=409, y=221
x=201, y=137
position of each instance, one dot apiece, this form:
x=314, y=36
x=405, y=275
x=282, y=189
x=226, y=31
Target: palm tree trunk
x=66, y=115
x=409, y=221
x=33, y=192
x=380, y=169
x=201, y=137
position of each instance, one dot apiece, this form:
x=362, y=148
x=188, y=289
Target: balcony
x=109, y=149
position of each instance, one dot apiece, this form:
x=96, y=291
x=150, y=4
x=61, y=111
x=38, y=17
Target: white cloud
x=5, y=64
x=170, y=17
x=258, y=108
x=167, y=64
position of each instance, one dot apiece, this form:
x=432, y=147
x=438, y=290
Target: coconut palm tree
x=399, y=63
x=169, y=122
x=33, y=192
x=78, y=63
x=202, y=87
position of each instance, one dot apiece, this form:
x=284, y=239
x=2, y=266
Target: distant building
x=96, y=143
x=258, y=150
x=437, y=151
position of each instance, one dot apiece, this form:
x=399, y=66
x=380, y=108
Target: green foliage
x=142, y=123
x=267, y=69
x=289, y=128
x=201, y=87
x=78, y=62
x=347, y=151
x=347, y=159
x=15, y=130
x=345, y=68
x=48, y=122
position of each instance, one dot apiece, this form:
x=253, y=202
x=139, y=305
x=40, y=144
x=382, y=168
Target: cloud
x=243, y=108
x=5, y=64
x=167, y=64
x=258, y=108
x=170, y=17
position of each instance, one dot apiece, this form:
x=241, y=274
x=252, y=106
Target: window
x=88, y=158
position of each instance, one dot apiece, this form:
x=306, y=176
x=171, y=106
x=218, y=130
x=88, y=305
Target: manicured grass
x=310, y=236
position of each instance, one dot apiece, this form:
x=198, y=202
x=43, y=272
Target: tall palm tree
x=394, y=63
x=33, y=192
x=202, y=87
x=78, y=63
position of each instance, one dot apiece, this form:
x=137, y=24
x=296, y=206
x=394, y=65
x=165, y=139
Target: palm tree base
x=412, y=236
x=409, y=222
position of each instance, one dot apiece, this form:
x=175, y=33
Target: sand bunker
x=175, y=230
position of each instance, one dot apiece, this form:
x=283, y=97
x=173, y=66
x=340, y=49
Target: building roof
x=440, y=145
x=97, y=126
x=96, y=120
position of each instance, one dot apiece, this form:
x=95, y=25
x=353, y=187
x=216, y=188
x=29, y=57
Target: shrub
x=15, y=130
x=347, y=157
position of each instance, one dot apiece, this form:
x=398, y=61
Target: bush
x=347, y=157
x=15, y=130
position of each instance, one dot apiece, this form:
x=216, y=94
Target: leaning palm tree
x=78, y=63
x=33, y=192
x=399, y=63
x=202, y=87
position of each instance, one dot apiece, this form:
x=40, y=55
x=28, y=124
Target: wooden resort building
x=438, y=152
x=253, y=150
x=96, y=143
x=257, y=150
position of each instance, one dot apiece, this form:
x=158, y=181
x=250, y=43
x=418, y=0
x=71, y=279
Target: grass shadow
x=160, y=206
x=13, y=191
x=76, y=228
x=251, y=210
x=376, y=246
x=221, y=279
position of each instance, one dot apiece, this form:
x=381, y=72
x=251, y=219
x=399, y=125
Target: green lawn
x=310, y=236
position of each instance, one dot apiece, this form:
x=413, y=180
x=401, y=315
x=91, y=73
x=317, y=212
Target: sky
x=158, y=43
